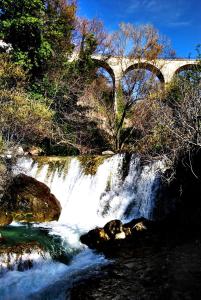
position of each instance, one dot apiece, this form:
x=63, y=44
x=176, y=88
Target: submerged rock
x=29, y=200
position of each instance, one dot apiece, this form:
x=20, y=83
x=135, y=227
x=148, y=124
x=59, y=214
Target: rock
x=5, y=219
x=113, y=228
x=140, y=227
x=120, y=236
x=108, y=152
x=94, y=238
x=98, y=237
x=127, y=231
x=108, y=237
x=33, y=151
x=13, y=152
x=29, y=200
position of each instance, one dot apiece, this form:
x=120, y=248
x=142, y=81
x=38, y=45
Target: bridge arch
x=187, y=67
x=146, y=66
x=105, y=65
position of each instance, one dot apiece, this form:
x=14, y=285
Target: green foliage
x=48, y=90
x=22, y=119
x=91, y=163
x=120, y=104
x=12, y=76
x=36, y=29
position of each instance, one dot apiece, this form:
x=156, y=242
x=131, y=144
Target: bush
x=22, y=119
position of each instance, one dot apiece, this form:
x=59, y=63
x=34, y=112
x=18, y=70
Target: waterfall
x=90, y=200
x=21, y=261
x=91, y=191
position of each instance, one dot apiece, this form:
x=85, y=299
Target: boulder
x=127, y=231
x=33, y=151
x=110, y=235
x=113, y=229
x=108, y=152
x=94, y=238
x=29, y=200
x=5, y=219
x=99, y=237
x=140, y=226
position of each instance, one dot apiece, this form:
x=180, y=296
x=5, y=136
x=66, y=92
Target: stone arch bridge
x=164, y=69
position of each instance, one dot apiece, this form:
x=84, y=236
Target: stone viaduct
x=164, y=69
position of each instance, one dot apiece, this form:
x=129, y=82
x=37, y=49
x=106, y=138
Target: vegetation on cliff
x=70, y=106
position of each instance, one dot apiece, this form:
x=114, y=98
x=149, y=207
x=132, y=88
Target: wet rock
x=120, y=236
x=140, y=226
x=5, y=219
x=167, y=267
x=98, y=237
x=113, y=234
x=127, y=231
x=94, y=238
x=29, y=200
x=114, y=229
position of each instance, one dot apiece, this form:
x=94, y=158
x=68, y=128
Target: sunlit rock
x=140, y=226
x=120, y=236
x=5, y=219
x=94, y=238
x=108, y=152
x=114, y=228
x=29, y=200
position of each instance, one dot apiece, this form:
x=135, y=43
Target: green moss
x=55, y=164
x=91, y=163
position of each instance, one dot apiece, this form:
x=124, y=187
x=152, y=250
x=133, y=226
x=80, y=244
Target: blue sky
x=179, y=20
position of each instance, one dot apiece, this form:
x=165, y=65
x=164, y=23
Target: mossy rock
x=91, y=163
x=29, y=200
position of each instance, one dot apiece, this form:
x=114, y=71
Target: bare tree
x=141, y=45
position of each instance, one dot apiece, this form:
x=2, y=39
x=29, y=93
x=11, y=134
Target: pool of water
x=54, y=263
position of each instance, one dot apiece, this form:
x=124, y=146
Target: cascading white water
x=92, y=200
x=20, y=261
x=115, y=191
